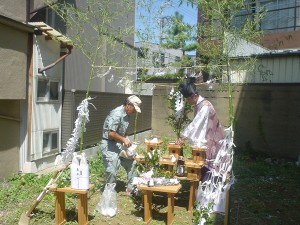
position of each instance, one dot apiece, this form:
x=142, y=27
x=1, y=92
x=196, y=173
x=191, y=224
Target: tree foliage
x=220, y=33
x=98, y=30
x=180, y=35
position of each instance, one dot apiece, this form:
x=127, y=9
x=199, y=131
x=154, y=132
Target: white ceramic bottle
x=74, y=172
x=84, y=182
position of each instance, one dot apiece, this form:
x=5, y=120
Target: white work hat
x=135, y=101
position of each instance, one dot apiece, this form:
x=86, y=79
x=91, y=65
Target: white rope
x=151, y=67
x=82, y=119
x=220, y=179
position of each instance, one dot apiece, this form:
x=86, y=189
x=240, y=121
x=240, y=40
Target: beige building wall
x=15, y=9
x=9, y=137
x=13, y=63
x=14, y=52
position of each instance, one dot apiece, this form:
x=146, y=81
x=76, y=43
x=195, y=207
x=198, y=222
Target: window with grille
x=281, y=15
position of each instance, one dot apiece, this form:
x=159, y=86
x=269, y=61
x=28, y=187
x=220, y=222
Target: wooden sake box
x=199, y=154
x=140, y=159
x=153, y=145
x=175, y=150
x=193, y=169
x=166, y=160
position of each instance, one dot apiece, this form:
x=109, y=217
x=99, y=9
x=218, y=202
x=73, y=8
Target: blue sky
x=189, y=13
x=159, y=9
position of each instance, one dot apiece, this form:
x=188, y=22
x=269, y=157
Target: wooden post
x=147, y=206
x=226, y=218
x=192, y=198
x=60, y=208
x=82, y=209
x=170, y=215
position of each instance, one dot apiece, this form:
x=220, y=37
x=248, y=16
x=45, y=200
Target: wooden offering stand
x=60, y=205
x=171, y=190
x=140, y=159
x=150, y=147
x=199, y=154
x=195, y=164
x=175, y=150
x=153, y=145
x=193, y=167
x=166, y=160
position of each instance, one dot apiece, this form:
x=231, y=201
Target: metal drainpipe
x=41, y=70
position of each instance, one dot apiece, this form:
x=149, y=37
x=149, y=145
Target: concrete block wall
x=267, y=116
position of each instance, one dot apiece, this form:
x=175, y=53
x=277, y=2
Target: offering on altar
x=168, y=158
x=155, y=160
x=153, y=143
x=174, y=150
x=139, y=156
x=154, y=181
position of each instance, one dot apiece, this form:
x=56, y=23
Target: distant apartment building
x=156, y=60
x=281, y=28
x=281, y=23
x=278, y=51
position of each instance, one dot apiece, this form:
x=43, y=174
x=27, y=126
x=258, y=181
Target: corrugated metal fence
x=104, y=103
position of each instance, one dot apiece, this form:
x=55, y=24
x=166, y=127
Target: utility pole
x=162, y=19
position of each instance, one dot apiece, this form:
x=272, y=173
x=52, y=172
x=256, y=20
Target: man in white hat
x=114, y=137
